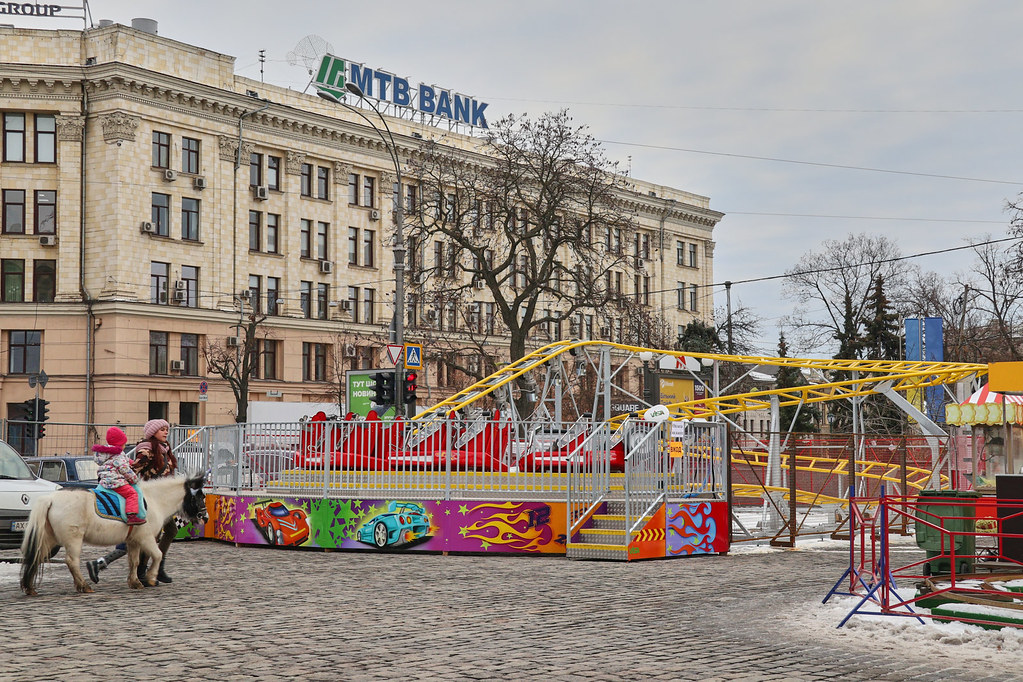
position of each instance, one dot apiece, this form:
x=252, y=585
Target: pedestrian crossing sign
x=413, y=356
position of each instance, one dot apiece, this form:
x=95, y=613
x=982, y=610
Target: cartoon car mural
x=280, y=525
x=403, y=523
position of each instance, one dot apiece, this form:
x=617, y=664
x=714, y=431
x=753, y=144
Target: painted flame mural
x=511, y=526
x=693, y=528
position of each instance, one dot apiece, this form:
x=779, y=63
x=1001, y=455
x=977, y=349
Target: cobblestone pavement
x=237, y=613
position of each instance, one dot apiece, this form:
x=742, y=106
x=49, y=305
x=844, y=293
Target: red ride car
x=282, y=526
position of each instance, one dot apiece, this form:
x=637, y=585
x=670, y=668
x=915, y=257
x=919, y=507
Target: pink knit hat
x=116, y=437
x=152, y=426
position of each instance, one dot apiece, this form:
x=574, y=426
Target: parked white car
x=19, y=488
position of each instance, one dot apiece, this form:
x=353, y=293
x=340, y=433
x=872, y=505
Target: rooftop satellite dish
x=308, y=53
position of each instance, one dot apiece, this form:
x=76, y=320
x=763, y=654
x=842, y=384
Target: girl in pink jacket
x=115, y=472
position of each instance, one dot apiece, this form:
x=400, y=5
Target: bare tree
x=997, y=293
x=239, y=362
x=537, y=224
x=839, y=277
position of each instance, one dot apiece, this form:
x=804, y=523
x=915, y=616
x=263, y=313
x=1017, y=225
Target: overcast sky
x=684, y=92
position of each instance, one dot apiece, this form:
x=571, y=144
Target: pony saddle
x=110, y=505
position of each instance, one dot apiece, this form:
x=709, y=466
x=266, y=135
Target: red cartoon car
x=282, y=526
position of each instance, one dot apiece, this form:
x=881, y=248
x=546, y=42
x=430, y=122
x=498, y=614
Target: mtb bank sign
x=335, y=72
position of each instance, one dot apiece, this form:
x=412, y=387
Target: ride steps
x=604, y=537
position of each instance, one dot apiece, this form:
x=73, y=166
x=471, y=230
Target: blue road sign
x=413, y=356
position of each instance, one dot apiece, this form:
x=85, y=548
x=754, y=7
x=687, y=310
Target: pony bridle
x=194, y=507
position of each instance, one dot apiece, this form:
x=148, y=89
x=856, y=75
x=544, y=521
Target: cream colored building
x=133, y=223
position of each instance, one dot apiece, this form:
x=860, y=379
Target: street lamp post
x=399, y=208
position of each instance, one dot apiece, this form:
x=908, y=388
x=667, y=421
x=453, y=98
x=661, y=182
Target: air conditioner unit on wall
x=345, y=306
x=262, y=193
x=326, y=267
x=170, y=175
x=199, y=182
x=479, y=284
x=374, y=214
x=349, y=350
x=147, y=227
x=233, y=341
x=179, y=285
x=48, y=240
x=177, y=365
x=180, y=296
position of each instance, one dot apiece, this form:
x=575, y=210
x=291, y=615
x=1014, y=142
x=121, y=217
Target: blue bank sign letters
x=334, y=72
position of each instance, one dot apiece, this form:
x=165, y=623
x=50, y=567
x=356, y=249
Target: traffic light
x=25, y=411
x=42, y=413
x=383, y=388
x=408, y=387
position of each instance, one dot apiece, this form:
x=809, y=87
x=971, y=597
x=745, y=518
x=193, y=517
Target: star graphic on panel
x=485, y=545
x=463, y=531
x=463, y=509
x=447, y=512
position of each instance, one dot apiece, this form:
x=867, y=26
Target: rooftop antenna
x=262, y=60
x=308, y=53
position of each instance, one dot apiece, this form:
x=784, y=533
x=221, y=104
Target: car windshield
x=12, y=466
x=87, y=469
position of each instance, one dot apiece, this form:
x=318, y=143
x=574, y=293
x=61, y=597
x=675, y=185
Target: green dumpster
x=959, y=519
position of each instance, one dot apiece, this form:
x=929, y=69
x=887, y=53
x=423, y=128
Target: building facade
x=152, y=200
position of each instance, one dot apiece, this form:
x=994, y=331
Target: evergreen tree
x=789, y=377
x=880, y=341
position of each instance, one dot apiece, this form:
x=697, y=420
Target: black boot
x=141, y=570
x=162, y=576
x=97, y=565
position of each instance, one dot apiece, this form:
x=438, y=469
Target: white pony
x=68, y=518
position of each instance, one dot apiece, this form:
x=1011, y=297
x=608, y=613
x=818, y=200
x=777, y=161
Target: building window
x=694, y=296
x=367, y=191
x=273, y=292
x=353, y=246
x=322, y=182
x=273, y=172
x=305, y=299
x=307, y=179
x=322, y=300
x=190, y=276
x=46, y=138
x=44, y=281
x=321, y=240
x=269, y=364
x=692, y=255
x=314, y=361
x=24, y=351
x=189, y=155
x=46, y=211
x=680, y=290
x=272, y=233
x=368, y=305
x=190, y=219
x=161, y=149
x=255, y=170
x=14, y=211
x=255, y=230
x=306, y=238
x=411, y=200
x=368, y=238
x=353, y=302
x=158, y=352
x=14, y=137
x=255, y=288
x=353, y=189
x=646, y=290
x=158, y=273
x=12, y=272
x=161, y=214
x=680, y=253
x=190, y=354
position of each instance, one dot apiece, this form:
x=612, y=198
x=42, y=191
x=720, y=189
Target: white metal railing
x=646, y=472
x=589, y=476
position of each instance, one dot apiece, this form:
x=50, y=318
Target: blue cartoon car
x=403, y=523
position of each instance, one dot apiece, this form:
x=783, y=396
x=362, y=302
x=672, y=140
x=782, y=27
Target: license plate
x=19, y=525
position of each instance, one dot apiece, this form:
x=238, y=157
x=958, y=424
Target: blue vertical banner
x=914, y=351
x=934, y=351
